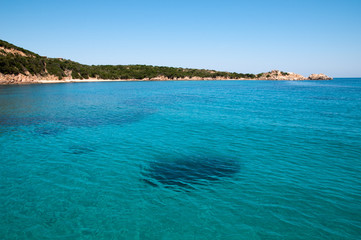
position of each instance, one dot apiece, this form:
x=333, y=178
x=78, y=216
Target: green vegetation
x=7, y=45
x=12, y=63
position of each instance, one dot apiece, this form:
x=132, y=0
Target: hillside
x=18, y=65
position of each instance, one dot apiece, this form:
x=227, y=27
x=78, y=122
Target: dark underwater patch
x=48, y=130
x=20, y=121
x=78, y=149
x=41, y=125
x=116, y=118
x=185, y=172
x=83, y=120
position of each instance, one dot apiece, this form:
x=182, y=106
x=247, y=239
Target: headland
x=21, y=66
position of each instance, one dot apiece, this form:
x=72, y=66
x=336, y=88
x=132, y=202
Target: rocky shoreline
x=279, y=75
x=275, y=75
x=21, y=66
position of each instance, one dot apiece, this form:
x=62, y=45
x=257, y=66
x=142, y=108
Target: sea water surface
x=181, y=160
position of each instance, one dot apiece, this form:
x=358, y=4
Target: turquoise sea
x=181, y=160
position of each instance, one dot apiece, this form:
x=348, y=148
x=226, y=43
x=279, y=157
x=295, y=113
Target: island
x=21, y=66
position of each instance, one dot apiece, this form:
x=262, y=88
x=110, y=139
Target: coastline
x=52, y=81
x=114, y=80
x=274, y=75
x=20, y=66
x=136, y=80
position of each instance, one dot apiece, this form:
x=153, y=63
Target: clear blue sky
x=308, y=36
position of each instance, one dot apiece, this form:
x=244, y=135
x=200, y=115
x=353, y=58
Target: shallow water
x=181, y=160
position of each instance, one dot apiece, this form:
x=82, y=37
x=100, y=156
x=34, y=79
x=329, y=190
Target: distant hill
x=18, y=65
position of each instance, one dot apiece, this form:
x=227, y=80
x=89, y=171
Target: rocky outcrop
x=164, y=78
x=279, y=75
x=22, y=79
x=5, y=51
x=319, y=77
x=28, y=78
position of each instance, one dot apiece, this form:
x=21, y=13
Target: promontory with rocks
x=20, y=66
